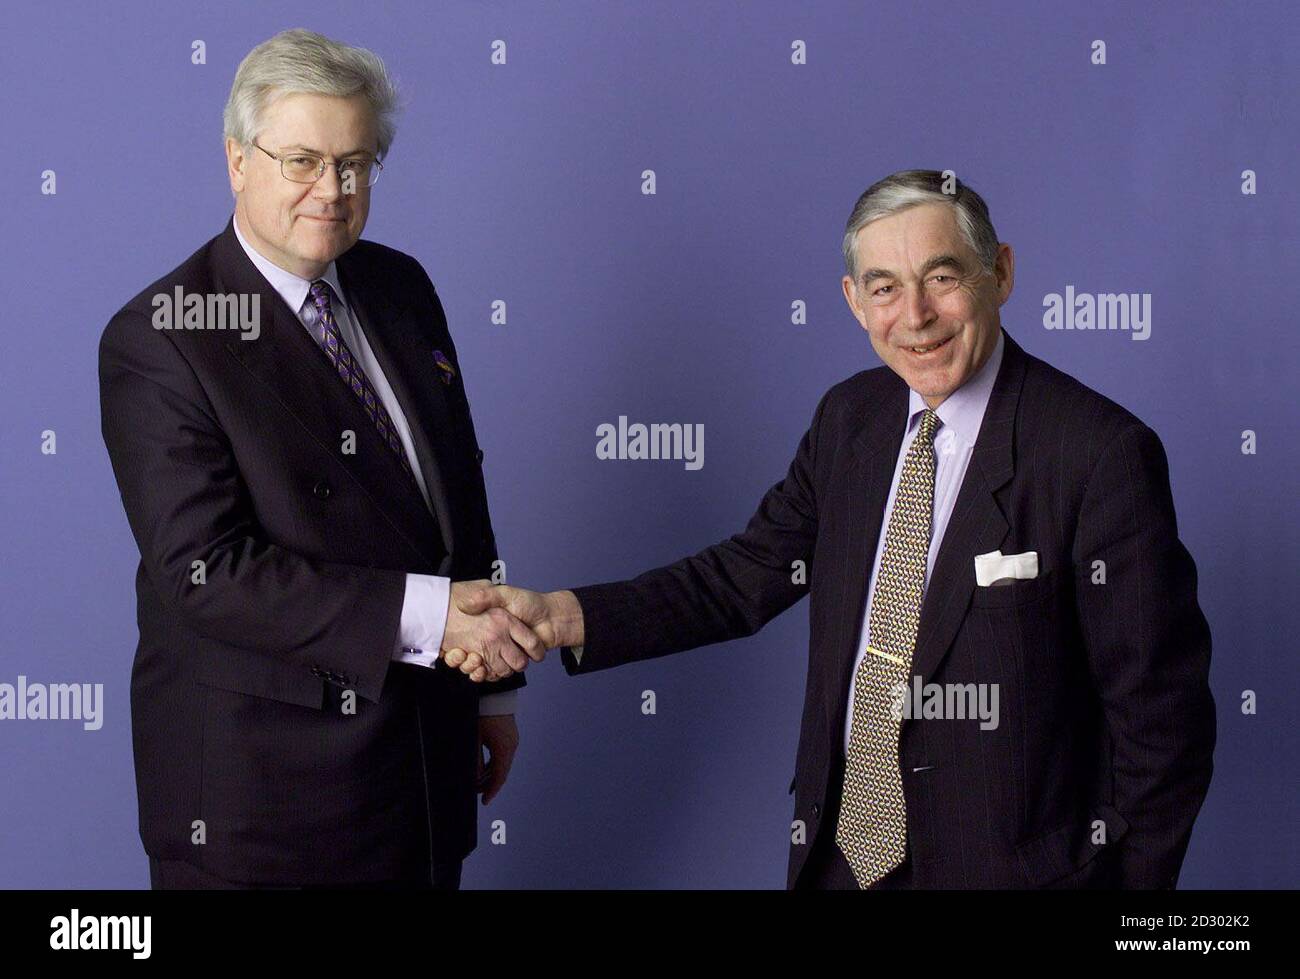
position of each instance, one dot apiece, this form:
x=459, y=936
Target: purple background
x=522, y=183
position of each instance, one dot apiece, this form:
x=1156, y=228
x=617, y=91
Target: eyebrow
x=315, y=152
x=932, y=263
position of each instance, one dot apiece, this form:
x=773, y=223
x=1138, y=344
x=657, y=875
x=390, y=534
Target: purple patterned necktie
x=350, y=373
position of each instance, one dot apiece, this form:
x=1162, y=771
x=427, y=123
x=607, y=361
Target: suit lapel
x=296, y=373
x=406, y=355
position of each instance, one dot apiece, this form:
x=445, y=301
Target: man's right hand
x=500, y=641
x=555, y=617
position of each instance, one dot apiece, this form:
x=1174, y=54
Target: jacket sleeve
x=186, y=501
x=1148, y=649
x=724, y=592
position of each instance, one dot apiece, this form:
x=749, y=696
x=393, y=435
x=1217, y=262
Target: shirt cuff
x=497, y=703
x=577, y=653
x=424, y=619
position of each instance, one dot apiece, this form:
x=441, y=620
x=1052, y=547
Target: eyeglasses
x=307, y=168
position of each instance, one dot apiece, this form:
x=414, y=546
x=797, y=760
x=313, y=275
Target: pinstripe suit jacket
x=1103, y=753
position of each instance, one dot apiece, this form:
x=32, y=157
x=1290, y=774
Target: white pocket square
x=996, y=567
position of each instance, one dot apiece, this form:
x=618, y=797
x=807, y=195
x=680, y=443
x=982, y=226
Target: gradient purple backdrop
x=522, y=183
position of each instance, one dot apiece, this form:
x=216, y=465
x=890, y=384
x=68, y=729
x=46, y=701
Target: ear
x=851, y=297
x=235, y=163
x=1005, y=272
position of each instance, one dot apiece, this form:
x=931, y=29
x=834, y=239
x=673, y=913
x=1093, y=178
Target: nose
x=328, y=188
x=918, y=312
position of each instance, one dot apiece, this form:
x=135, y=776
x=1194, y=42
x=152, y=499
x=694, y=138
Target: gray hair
x=303, y=61
x=908, y=188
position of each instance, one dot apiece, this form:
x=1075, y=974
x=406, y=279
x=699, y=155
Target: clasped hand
x=494, y=630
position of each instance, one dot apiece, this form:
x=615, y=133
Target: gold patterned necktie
x=872, y=828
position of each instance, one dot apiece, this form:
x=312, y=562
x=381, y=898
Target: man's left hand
x=499, y=734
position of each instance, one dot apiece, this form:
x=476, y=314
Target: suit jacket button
x=321, y=490
x=817, y=809
x=478, y=457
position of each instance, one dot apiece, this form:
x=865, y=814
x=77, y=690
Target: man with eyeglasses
x=303, y=504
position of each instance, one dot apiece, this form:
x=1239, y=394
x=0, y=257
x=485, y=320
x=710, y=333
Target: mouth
x=311, y=217
x=921, y=353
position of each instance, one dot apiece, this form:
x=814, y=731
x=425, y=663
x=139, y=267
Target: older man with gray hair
x=974, y=527
x=307, y=497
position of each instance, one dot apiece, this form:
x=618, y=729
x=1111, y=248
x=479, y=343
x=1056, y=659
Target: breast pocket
x=1016, y=593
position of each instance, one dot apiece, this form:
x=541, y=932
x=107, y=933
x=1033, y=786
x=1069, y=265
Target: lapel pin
x=448, y=372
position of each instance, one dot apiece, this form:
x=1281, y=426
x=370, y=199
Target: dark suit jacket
x=1106, y=716
x=229, y=451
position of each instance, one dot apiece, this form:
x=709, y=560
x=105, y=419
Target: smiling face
x=919, y=284
x=303, y=227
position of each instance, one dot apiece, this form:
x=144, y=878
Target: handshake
x=494, y=630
